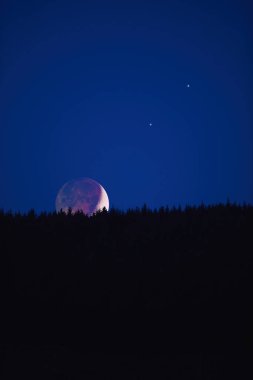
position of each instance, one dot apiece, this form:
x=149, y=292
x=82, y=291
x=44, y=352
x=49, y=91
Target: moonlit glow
x=82, y=194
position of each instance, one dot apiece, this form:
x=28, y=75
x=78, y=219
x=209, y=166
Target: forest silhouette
x=144, y=281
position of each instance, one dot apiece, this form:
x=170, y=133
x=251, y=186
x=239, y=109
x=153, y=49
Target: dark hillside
x=157, y=284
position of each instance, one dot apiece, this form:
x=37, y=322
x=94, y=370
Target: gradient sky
x=80, y=82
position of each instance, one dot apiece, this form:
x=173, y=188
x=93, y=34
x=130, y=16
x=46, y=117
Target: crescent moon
x=83, y=194
x=104, y=200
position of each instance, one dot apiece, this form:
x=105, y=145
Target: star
x=188, y=85
x=150, y=124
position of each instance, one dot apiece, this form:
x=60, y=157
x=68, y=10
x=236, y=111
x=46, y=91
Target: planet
x=83, y=194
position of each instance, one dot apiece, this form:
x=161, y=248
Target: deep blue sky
x=80, y=81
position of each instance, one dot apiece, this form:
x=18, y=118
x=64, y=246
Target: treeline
x=170, y=276
x=135, y=240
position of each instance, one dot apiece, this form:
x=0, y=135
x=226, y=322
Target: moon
x=83, y=194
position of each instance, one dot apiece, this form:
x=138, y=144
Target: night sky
x=153, y=99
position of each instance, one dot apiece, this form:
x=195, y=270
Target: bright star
x=150, y=124
x=188, y=85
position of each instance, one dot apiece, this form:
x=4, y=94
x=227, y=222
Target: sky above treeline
x=152, y=99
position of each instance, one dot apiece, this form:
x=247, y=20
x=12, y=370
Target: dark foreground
x=139, y=295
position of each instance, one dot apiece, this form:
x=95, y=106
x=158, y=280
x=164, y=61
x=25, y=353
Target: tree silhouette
x=152, y=277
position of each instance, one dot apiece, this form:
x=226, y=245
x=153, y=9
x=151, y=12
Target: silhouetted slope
x=142, y=281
